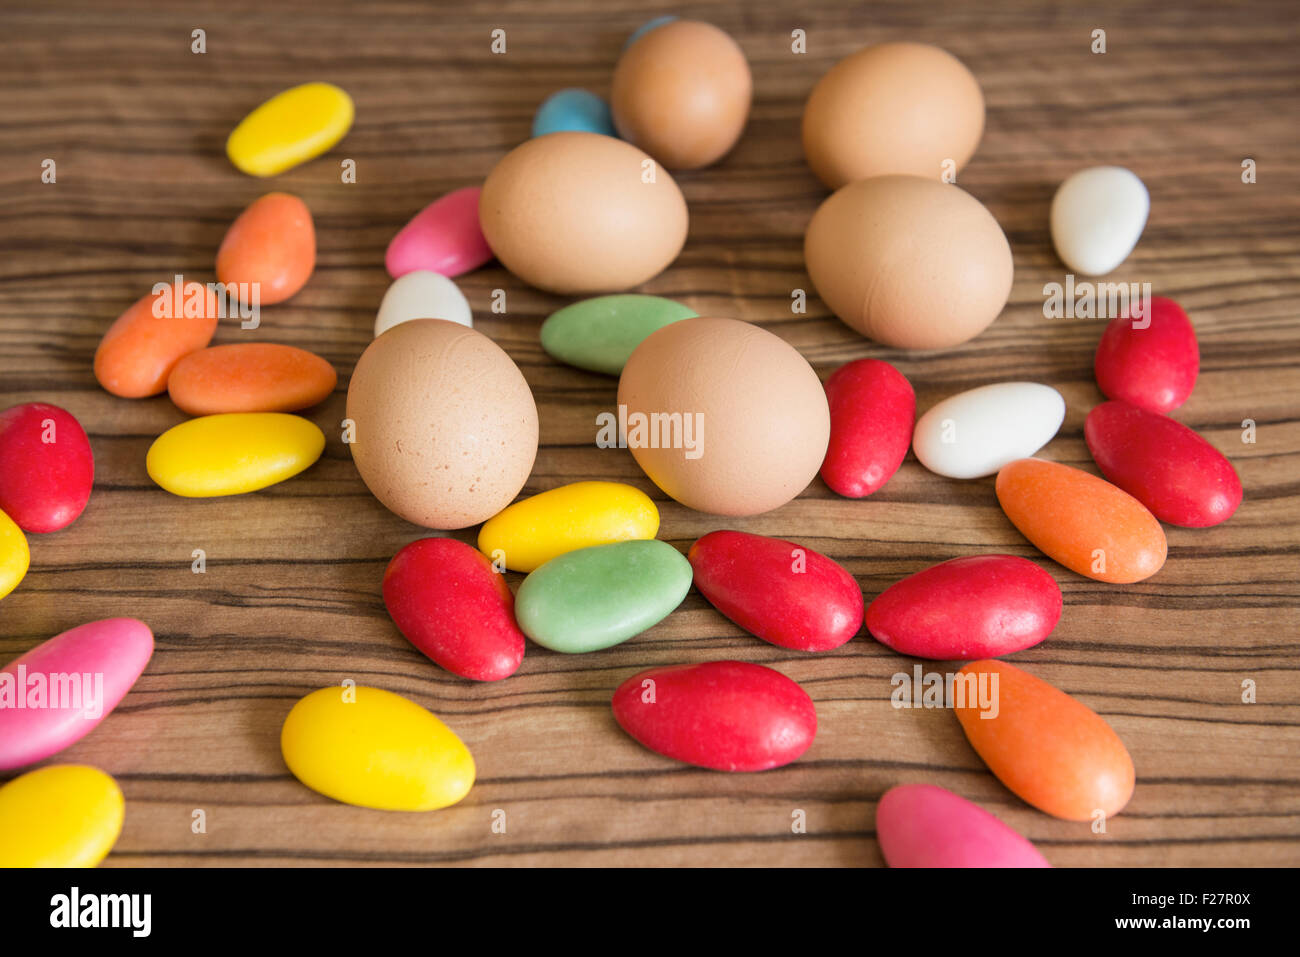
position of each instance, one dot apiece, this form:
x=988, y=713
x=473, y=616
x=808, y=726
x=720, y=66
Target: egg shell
x=921, y=825
x=271, y=245
x=1050, y=749
x=234, y=453
x=140, y=349
x=1084, y=522
x=974, y=433
x=681, y=92
x=910, y=262
x=47, y=469
x=1097, y=217
x=872, y=409
x=445, y=237
x=1150, y=360
x=15, y=556
x=372, y=748
x=723, y=715
x=250, y=377
x=1180, y=477
x=291, y=127
x=61, y=815
x=980, y=606
x=892, y=108
x=573, y=213
x=115, y=651
x=757, y=410
x=531, y=532
x=784, y=593
x=445, y=425
x=447, y=600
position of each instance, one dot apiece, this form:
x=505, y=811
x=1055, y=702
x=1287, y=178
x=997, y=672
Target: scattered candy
x=271, y=246
x=250, y=377
x=449, y=602
x=983, y=606
x=872, y=410
x=57, y=693
x=14, y=555
x=1180, y=477
x=290, y=128
x=46, y=467
x=723, y=715
x=975, y=433
x=1150, y=360
x=921, y=825
x=784, y=593
x=597, y=597
x=1085, y=523
x=375, y=749
x=681, y=92
x=1052, y=750
x=531, y=532
x=1098, y=215
x=444, y=427
x=139, y=350
x=600, y=334
x=573, y=111
x=444, y=237
x=62, y=815
x=232, y=454
x=422, y=295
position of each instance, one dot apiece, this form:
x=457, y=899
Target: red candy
x=872, y=413
x=1153, y=367
x=1179, y=476
x=46, y=467
x=724, y=715
x=781, y=592
x=448, y=601
x=977, y=607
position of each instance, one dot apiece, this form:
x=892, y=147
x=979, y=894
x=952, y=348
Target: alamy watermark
x=654, y=430
x=1098, y=300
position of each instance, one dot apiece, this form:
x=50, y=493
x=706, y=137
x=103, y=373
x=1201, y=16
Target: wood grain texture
x=291, y=600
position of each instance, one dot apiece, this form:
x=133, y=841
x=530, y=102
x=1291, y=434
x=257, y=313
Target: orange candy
x=1052, y=750
x=1085, y=523
x=273, y=244
x=139, y=350
x=250, y=377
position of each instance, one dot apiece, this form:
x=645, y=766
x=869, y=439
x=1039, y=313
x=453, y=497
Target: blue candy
x=646, y=27
x=573, y=110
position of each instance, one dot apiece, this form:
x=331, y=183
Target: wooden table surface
x=290, y=600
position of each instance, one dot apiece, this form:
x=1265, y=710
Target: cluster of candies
x=444, y=431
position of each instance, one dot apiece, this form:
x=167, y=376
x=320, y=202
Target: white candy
x=1098, y=215
x=422, y=295
x=975, y=433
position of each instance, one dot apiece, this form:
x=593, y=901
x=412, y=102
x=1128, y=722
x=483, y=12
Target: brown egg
x=581, y=213
x=910, y=262
x=892, y=108
x=681, y=93
x=723, y=416
x=445, y=427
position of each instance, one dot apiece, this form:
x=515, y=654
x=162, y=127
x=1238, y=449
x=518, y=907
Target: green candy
x=596, y=597
x=599, y=334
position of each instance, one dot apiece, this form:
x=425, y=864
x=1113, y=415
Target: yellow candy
x=376, y=749
x=14, y=555
x=290, y=128
x=532, y=532
x=63, y=815
x=233, y=453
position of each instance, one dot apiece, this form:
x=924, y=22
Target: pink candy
x=444, y=237
x=921, y=825
x=59, y=691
